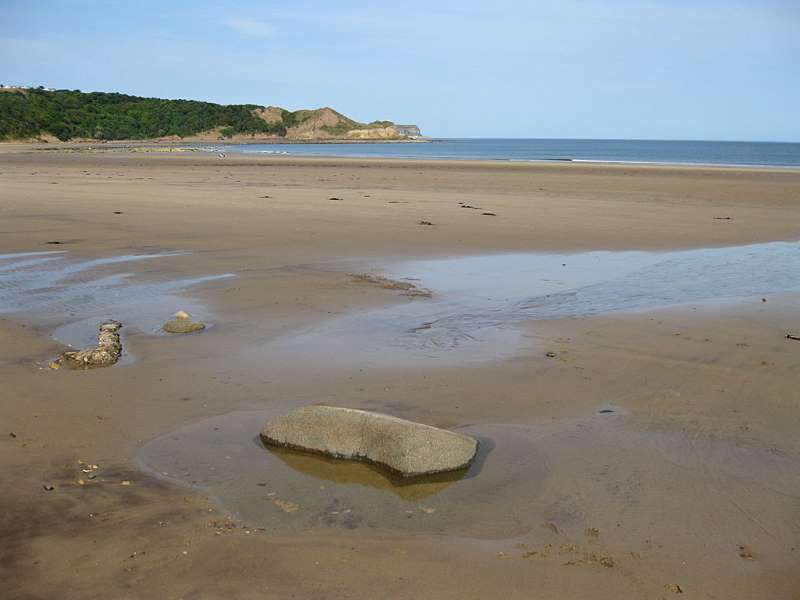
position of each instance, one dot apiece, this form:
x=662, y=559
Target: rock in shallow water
x=408, y=448
x=182, y=323
x=107, y=352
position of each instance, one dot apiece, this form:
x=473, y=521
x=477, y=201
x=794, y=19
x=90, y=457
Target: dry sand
x=691, y=484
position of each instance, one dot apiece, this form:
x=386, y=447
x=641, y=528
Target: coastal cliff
x=39, y=114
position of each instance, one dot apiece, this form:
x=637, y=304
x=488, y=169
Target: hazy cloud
x=251, y=27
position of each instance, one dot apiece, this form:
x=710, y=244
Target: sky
x=620, y=69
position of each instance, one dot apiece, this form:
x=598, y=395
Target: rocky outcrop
x=374, y=133
x=182, y=322
x=317, y=124
x=107, y=352
x=327, y=124
x=405, y=447
x=408, y=130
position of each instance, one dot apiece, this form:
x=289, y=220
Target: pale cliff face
x=409, y=130
x=378, y=133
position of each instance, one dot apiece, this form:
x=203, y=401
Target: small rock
x=286, y=506
x=607, y=562
x=48, y=488
x=674, y=588
x=550, y=355
x=425, y=223
x=181, y=322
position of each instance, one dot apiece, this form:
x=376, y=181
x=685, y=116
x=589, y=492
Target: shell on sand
x=182, y=315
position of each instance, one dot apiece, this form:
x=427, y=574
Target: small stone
x=286, y=506
x=182, y=323
x=124, y=482
x=550, y=355
x=674, y=588
x=607, y=561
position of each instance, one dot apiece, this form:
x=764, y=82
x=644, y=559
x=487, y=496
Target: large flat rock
x=408, y=448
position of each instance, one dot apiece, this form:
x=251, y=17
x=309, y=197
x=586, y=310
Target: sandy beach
x=644, y=450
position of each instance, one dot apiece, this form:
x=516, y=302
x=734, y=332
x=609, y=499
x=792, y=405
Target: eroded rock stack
x=106, y=353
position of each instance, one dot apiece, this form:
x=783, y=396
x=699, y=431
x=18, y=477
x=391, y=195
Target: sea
x=759, y=154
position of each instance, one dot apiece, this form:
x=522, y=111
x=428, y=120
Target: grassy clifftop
x=70, y=115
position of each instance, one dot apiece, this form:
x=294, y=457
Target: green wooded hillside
x=70, y=114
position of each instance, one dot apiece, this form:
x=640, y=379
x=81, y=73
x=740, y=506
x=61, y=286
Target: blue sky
x=663, y=69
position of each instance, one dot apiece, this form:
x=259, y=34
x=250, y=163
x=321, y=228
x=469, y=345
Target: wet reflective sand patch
x=479, y=301
x=52, y=285
x=225, y=458
x=604, y=471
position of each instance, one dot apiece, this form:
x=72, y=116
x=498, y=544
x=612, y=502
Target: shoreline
x=181, y=151
x=215, y=146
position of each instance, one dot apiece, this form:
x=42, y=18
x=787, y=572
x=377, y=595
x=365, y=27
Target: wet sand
x=654, y=448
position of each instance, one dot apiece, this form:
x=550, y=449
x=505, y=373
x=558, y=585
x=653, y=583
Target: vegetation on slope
x=68, y=114
x=109, y=116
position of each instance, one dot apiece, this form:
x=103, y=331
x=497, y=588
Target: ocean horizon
x=675, y=152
